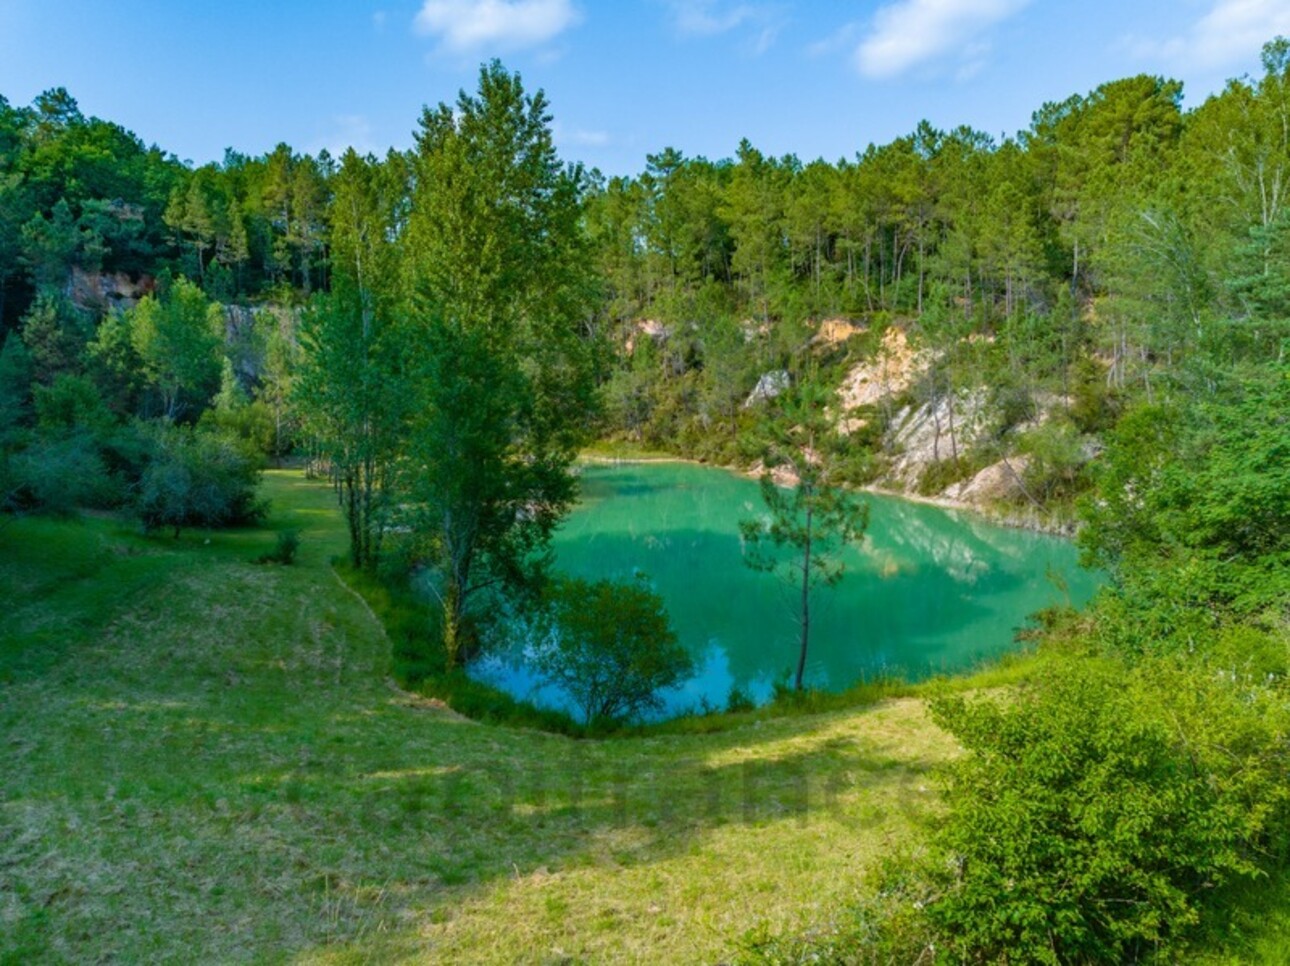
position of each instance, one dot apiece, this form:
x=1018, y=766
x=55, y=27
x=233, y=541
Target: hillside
x=1084, y=327
x=202, y=754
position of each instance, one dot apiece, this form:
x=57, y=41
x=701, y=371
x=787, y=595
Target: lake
x=928, y=591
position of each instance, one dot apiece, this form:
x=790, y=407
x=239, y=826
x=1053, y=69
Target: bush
x=1198, y=498
x=249, y=424
x=739, y=701
x=284, y=552
x=60, y=475
x=1094, y=815
x=1057, y=460
x=610, y=646
x=71, y=403
x=198, y=480
x=942, y=474
x=1094, y=404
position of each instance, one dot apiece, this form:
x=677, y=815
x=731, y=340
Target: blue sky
x=818, y=78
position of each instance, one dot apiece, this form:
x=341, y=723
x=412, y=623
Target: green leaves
x=178, y=339
x=810, y=517
x=197, y=480
x=611, y=647
x=1201, y=493
x=1095, y=812
x=499, y=381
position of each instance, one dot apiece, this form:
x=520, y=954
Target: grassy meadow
x=205, y=758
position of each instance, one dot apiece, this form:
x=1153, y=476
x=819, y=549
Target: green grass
x=204, y=758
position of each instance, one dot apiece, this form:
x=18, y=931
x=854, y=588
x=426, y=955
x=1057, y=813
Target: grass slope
x=202, y=758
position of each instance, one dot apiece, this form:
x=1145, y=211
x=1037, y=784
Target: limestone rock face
x=922, y=435
x=770, y=385
x=889, y=373
x=836, y=331
x=998, y=481
x=238, y=322
x=782, y=474
x=650, y=329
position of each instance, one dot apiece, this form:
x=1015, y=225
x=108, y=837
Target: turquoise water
x=928, y=591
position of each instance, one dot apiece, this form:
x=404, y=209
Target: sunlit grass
x=205, y=757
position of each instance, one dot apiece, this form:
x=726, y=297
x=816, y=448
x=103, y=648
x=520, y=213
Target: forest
x=1082, y=328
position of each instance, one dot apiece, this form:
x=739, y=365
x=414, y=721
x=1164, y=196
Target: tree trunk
x=921, y=274
x=451, y=623
x=936, y=418
x=806, y=601
x=868, y=272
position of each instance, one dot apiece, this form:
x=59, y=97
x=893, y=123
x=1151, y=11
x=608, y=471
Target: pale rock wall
x=891, y=372
x=921, y=436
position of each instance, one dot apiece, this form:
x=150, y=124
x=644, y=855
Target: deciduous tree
x=498, y=300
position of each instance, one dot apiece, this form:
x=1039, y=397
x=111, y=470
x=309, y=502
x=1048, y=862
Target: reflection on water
x=928, y=591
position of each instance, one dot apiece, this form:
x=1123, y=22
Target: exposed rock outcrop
x=891, y=372
x=836, y=331
x=997, y=482
x=770, y=385
x=782, y=475
x=650, y=329
x=927, y=434
x=101, y=292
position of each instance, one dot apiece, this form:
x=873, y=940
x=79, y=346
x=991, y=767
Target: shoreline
x=1030, y=523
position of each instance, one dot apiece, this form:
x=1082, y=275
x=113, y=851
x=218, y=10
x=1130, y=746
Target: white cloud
x=703, y=18
x=1232, y=30
x=907, y=33
x=464, y=26
x=347, y=131
x=760, y=23
x=579, y=137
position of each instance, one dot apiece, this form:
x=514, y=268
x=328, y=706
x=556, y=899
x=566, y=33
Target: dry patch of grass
x=202, y=758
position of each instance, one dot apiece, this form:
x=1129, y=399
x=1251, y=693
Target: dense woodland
x=1091, y=261
x=441, y=330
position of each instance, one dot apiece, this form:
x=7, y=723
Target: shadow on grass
x=493, y=807
x=222, y=766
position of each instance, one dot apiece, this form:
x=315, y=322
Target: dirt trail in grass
x=203, y=758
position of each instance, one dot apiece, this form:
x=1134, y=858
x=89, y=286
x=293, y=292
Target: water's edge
x=1032, y=522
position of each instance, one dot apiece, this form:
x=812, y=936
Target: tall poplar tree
x=350, y=389
x=498, y=279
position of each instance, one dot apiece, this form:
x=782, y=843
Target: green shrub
x=59, y=476
x=71, y=403
x=250, y=424
x=938, y=476
x=1198, y=499
x=739, y=701
x=197, y=480
x=1094, y=404
x=1013, y=404
x=1057, y=459
x=611, y=647
x=1096, y=811
x=284, y=551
